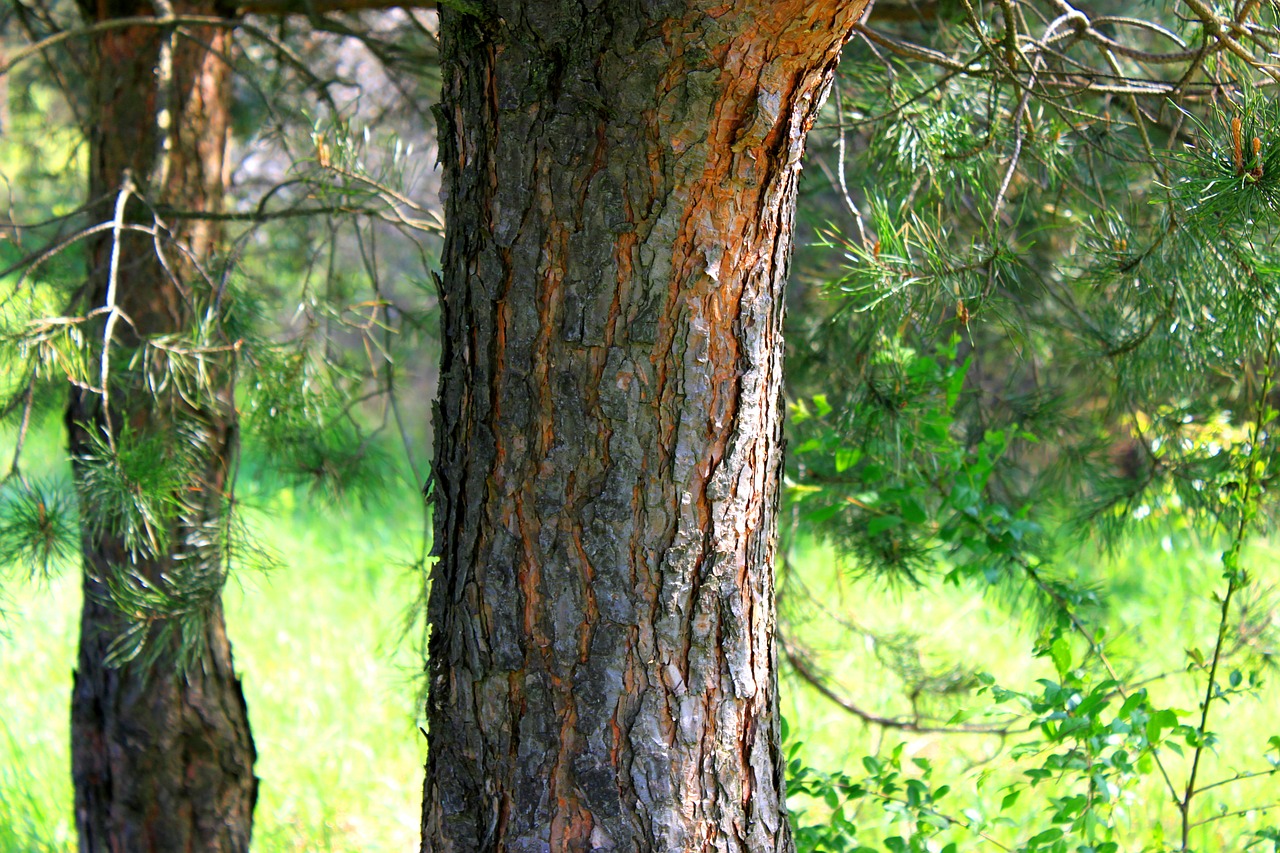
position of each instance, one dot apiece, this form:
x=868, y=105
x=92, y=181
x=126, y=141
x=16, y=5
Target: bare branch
x=810, y=677
x=312, y=8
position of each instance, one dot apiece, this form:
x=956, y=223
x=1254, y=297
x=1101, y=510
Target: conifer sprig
x=38, y=527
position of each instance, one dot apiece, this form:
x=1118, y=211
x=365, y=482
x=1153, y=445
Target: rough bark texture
x=162, y=760
x=621, y=180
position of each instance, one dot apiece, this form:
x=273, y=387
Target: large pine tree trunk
x=621, y=184
x=162, y=758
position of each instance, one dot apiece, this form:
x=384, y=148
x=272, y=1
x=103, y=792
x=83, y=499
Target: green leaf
x=38, y=530
x=1130, y=704
x=913, y=512
x=1046, y=837
x=822, y=513
x=846, y=458
x=1060, y=652
x=934, y=432
x=881, y=523
x=1160, y=720
x=809, y=446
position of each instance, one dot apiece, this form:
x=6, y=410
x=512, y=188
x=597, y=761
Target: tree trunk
x=621, y=193
x=162, y=756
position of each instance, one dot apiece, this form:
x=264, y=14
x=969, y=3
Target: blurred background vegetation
x=1027, y=599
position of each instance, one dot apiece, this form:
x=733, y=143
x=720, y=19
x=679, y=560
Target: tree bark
x=621, y=181
x=162, y=756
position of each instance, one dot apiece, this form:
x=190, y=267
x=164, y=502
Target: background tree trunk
x=621, y=198
x=162, y=759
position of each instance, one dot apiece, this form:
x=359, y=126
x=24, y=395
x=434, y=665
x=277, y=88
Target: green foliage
x=906, y=798
x=333, y=710
x=1046, y=336
x=301, y=414
x=38, y=527
x=131, y=487
x=299, y=318
x=893, y=479
x=164, y=617
x=1152, y=598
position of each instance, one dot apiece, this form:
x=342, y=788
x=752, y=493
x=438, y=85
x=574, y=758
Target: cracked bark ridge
x=621, y=180
x=162, y=761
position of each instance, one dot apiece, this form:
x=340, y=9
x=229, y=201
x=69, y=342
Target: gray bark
x=622, y=182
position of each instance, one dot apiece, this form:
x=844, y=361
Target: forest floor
x=329, y=679
x=331, y=682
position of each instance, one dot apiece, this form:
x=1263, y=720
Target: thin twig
x=844, y=188
x=113, y=312
x=28, y=398
x=1233, y=580
x=802, y=669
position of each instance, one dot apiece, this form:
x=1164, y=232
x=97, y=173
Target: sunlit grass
x=37, y=651
x=1162, y=603
x=329, y=684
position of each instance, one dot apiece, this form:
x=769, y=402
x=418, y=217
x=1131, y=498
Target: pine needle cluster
x=288, y=352
x=1040, y=310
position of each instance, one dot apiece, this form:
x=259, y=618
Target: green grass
x=329, y=685
x=1162, y=604
x=35, y=673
